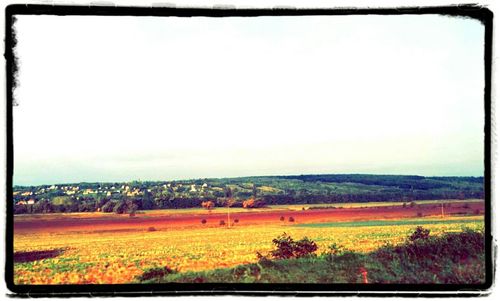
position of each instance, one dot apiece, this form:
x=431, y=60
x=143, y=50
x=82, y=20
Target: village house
x=134, y=192
x=88, y=191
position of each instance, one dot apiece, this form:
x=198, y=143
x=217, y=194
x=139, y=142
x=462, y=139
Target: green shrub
x=336, y=250
x=419, y=234
x=247, y=273
x=423, y=249
x=305, y=247
x=286, y=247
x=451, y=258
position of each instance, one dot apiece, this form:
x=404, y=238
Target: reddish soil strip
x=100, y=222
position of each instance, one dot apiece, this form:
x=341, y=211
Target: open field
x=111, y=248
x=375, y=204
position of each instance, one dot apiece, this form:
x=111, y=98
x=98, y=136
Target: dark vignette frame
x=484, y=15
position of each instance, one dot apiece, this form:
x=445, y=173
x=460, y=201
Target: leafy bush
x=419, y=234
x=286, y=247
x=151, y=229
x=222, y=222
x=203, y=221
x=336, y=250
x=247, y=273
x=451, y=258
x=305, y=247
x=291, y=219
x=453, y=246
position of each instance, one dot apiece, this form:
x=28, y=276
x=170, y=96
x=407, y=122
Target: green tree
x=209, y=205
x=108, y=206
x=120, y=207
x=228, y=203
x=148, y=201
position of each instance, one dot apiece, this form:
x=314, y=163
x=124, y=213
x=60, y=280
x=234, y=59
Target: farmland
x=108, y=248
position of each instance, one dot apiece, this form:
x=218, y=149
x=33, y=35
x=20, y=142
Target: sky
x=165, y=98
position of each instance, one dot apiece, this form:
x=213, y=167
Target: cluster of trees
x=399, y=181
x=117, y=206
x=129, y=205
x=366, y=197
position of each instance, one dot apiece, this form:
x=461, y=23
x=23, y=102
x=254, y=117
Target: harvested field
x=169, y=219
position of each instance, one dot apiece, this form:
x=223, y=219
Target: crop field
x=106, y=248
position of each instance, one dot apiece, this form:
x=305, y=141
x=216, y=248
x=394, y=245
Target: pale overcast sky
x=155, y=98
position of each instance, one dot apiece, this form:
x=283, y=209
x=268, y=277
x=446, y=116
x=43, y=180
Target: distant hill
x=290, y=189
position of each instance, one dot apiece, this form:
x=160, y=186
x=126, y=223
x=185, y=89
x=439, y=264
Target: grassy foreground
x=457, y=258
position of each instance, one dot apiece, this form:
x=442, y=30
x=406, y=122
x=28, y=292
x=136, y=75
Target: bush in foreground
x=286, y=247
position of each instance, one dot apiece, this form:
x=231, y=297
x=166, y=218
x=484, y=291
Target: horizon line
x=249, y=176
